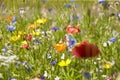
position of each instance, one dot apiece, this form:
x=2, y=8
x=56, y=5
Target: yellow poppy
x=37, y=33
x=24, y=42
x=107, y=66
x=60, y=47
x=31, y=27
x=14, y=38
x=64, y=63
x=21, y=33
x=41, y=21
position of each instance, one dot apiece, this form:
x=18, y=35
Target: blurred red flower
x=29, y=37
x=85, y=50
x=25, y=45
x=72, y=30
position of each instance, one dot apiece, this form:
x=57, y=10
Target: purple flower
x=87, y=75
x=53, y=63
x=10, y=28
x=42, y=78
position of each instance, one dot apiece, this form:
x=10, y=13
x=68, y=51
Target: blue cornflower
x=54, y=28
x=101, y=1
x=72, y=42
x=10, y=28
x=37, y=41
x=112, y=39
x=87, y=75
x=13, y=20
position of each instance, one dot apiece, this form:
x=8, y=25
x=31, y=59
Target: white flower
x=63, y=56
x=1, y=76
x=105, y=44
x=45, y=74
x=57, y=78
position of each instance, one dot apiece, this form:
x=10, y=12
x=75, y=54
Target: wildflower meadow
x=59, y=40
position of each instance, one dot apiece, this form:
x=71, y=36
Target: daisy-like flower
x=60, y=47
x=85, y=50
x=64, y=63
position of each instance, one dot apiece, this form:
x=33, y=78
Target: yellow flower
x=37, y=33
x=41, y=21
x=60, y=47
x=24, y=42
x=107, y=66
x=64, y=63
x=14, y=38
x=31, y=27
x=21, y=33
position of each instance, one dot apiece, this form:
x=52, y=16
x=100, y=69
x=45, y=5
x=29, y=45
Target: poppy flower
x=29, y=37
x=60, y=47
x=72, y=30
x=85, y=50
x=25, y=45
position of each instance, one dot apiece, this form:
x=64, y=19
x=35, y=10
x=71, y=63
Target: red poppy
x=85, y=50
x=25, y=45
x=72, y=30
x=29, y=37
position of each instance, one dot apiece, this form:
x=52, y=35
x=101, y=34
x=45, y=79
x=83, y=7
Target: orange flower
x=31, y=27
x=72, y=30
x=60, y=47
x=9, y=18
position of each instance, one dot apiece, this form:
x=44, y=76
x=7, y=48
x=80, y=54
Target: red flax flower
x=72, y=30
x=85, y=50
